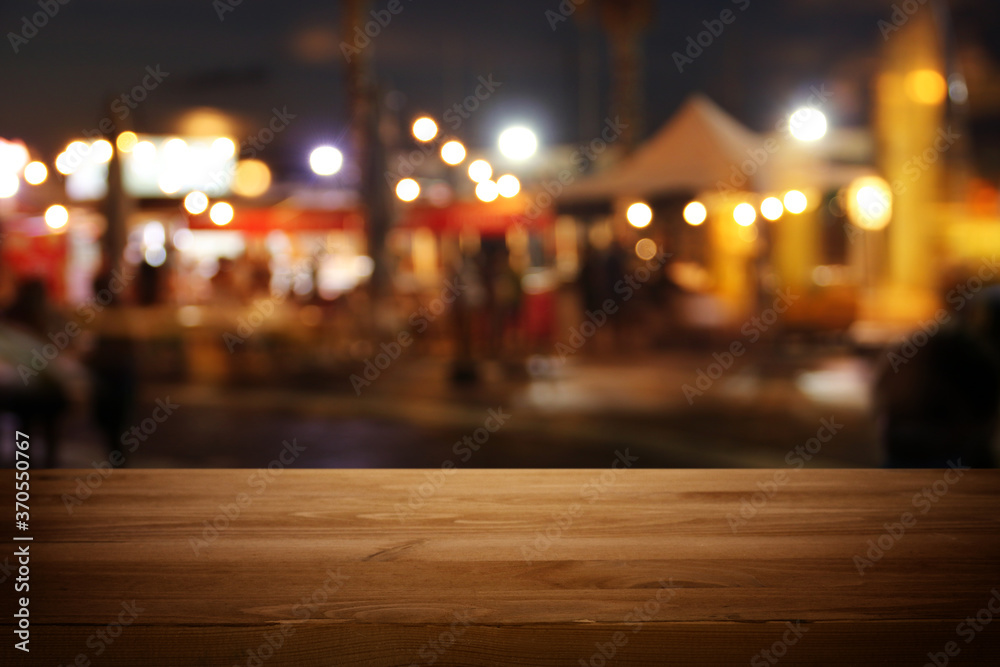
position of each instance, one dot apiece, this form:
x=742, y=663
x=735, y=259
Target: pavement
x=680, y=408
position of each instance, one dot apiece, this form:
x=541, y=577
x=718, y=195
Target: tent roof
x=697, y=148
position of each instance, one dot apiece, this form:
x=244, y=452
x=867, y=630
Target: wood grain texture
x=537, y=567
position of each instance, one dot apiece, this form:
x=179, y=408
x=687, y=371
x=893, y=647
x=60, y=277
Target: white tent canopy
x=702, y=148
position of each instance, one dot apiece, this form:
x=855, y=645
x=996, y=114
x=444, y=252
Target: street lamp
x=807, y=124
x=326, y=160
x=518, y=143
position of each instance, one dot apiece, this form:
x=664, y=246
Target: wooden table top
x=531, y=567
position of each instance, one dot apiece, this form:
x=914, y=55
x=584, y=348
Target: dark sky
x=267, y=54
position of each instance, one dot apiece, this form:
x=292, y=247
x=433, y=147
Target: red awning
x=264, y=220
x=488, y=218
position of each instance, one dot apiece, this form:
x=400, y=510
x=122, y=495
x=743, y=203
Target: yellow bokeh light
x=795, y=201
x=453, y=152
x=744, y=214
x=645, y=249
x=196, y=202
x=126, y=141
x=508, y=185
x=925, y=86
x=56, y=216
x=869, y=203
x=695, y=213
x=639, y=215
x=35, y=173
x=480, y=170
x=487, y=190
x=771, y=208
x=221, y=213
x=407, y=189
x=424, y=129
x=252, y=178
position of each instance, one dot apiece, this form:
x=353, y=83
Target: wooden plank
x=527, y=566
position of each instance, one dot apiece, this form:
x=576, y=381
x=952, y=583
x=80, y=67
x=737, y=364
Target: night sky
x=265, y=55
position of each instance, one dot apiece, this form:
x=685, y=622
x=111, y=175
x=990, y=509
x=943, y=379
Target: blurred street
x=577, y=416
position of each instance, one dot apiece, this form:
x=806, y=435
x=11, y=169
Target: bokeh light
x=869, y=203
x=101, y=150
x=453, y=152
x=518, y=143
x=645, y=249
x=480, y=170
x=487, y=190
x=221, y=213
x=56, y=216
x=407, y=189
x=771, y=208
x=744, y=214
x=252, y=178
x=196, y=202
x=925, y=86
x=424, y=129
x=126, y=141
x=795, y=201
x=35, y=173
x=695, y=213
x=326, y=160
x=639, y=215
x=508, y=185
x=9, y=184
x=807, y=124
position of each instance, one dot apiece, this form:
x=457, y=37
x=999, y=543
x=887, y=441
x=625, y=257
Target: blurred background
x=527, y=234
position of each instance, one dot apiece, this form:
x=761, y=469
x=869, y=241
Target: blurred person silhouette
x=938, y=403
x=113, y=369
x=33, y=386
